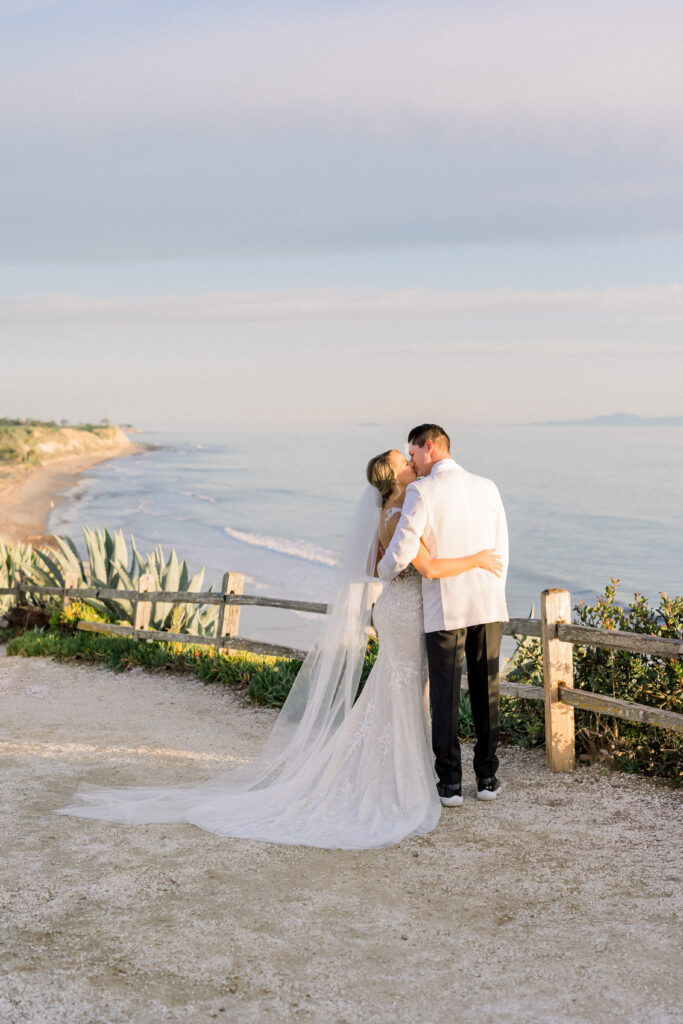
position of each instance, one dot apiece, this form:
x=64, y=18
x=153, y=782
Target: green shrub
x=270, y=684
x=640, y=678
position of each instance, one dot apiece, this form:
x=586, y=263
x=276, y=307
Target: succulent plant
x=15, y=557
x=110, y=565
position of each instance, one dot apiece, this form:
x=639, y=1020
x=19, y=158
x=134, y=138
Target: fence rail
x=164, y=636
x=635, y=643
x=558, y=637
x=171, y=597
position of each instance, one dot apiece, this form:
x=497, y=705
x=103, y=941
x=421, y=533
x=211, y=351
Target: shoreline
x=28, y=494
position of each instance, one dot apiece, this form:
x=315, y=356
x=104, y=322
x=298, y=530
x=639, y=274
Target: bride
x=336, y=772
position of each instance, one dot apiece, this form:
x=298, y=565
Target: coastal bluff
x=29, y=444
x=39, y=461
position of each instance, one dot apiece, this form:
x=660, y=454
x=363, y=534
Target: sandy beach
x=559, y=903
x=28, y=494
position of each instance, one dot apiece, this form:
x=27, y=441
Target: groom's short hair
x=418, y=436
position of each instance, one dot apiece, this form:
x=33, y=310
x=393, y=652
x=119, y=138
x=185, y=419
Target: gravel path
x=559, y=902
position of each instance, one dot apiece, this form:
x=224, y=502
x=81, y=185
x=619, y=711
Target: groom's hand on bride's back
x=490, y=560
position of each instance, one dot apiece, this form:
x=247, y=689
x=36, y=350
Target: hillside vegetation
x=34, y=442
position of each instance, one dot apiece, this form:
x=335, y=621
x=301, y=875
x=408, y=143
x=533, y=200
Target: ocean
x=584, y=504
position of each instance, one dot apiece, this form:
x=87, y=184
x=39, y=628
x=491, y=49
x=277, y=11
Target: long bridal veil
x=327, y=683
x=249, y=797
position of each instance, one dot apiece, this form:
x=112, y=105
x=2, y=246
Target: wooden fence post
x=143, y=609
x=18, y=587
x=558, y=669
x=70, y=583
x=228, y=619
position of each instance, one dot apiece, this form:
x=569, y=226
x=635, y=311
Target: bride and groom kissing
x=347, y=771
x=443, y=509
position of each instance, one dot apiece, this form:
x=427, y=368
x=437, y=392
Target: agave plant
x=14, y=558
x=103, y=568
x=172, y=575
x=111, y=566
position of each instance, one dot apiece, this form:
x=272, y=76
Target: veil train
x=266, y=798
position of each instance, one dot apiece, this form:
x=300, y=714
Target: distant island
x=616, y=419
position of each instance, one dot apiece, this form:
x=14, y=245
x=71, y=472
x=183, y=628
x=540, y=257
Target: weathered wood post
x=228, y=620
x=18, y=588
x=70, y=583
x=558, y=669
x=143, y=609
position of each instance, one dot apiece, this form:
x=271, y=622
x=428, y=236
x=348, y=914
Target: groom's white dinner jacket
x=457, y=514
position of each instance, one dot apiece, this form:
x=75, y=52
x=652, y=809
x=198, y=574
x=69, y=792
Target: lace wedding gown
x=358, y=776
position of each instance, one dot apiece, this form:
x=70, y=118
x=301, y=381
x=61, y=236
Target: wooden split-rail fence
x=557, y=633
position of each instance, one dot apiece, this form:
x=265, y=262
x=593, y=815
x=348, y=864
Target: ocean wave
x=303, y=549
x=196, y=494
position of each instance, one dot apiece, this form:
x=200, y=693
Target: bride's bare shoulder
x=388, y=524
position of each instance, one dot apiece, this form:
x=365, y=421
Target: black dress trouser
x=446, y=651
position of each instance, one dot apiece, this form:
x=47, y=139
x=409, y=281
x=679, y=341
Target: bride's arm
x=438, y=568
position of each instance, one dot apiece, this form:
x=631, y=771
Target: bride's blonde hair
x=381, y=474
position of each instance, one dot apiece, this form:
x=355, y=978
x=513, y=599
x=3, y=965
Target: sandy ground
x=560, y=902
x=29, y=493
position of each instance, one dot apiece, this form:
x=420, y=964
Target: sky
x=461, y=211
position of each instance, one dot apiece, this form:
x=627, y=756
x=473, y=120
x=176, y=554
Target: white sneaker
x=450, y=796
x=488, y=789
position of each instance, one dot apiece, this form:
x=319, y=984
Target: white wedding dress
x=334, y=773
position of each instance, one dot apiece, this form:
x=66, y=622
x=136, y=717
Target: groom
x=457, y=514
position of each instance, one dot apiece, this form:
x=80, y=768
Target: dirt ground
x=559, y=902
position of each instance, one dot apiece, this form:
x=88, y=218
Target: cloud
x=656, y=304
x=388, y=66
x=223, y=129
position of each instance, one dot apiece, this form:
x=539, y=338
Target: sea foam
x=283, y=546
